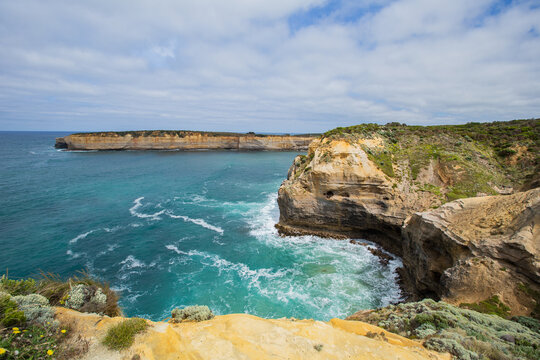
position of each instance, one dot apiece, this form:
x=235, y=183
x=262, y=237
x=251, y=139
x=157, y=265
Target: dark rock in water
x=384, y=258
x=60, y=143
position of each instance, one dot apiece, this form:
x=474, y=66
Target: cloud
x=281, y=66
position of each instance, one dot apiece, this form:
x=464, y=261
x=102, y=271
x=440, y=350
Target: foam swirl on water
x=137, y=204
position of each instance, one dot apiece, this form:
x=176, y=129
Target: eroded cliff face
x=181, y=140
x=389, y=185
x=241, y=336
x=471, y=249
x=339, y=190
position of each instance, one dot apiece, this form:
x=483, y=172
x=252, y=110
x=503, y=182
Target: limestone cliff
x=241, y=336
x=471, y=249
x=181, y=140
x=366, y=181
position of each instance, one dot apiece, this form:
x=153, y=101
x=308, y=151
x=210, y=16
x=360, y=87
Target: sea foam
x=199, y=222
x=81, y=236
x=137, y=204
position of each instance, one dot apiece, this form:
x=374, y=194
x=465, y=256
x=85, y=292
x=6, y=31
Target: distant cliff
x=182, y=140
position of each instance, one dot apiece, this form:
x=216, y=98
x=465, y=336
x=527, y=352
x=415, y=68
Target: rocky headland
x=182, y=140
x=458, y=204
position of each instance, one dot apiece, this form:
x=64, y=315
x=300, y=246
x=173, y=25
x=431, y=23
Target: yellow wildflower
x=50, y=352
x=2, y=351
x=63, y=331
x=16, y=332
x=16, y=328
x=41, y=335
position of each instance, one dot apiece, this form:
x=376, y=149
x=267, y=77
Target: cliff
x=181, y=140
x=241, y=336
x=366, y=181
x=469, y=250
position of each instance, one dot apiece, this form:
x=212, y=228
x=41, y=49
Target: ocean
x=169, y=229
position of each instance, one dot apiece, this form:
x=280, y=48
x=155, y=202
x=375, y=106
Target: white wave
x=113, y=229
x=241, y=269
x=109, y=249
x=332, y=277
x=137, y=204
x=199, y=222
x=131, y=262
x=73, y=255
x=176, y=250
x=81, y=236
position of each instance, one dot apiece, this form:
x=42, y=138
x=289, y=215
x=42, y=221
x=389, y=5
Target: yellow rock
x=242, y=336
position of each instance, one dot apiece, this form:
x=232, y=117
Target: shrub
x=13, y=318
x=192, y=313
x=531, y=323
x=17, y=287
x=36, y=309
x=122, y=335
x=86, y=298
x=10, y=315
x=82, y=293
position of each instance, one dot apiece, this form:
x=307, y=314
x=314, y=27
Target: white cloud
x=236, y=65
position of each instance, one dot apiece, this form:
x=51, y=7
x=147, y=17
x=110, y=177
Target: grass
x=383, y=159
x=122, y=335
x=493, y=305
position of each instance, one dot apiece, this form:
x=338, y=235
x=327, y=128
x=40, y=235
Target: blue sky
x=268, y=66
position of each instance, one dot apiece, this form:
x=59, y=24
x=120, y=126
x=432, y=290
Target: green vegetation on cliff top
x=28, y=329
x=466, y=334
x=470, y=159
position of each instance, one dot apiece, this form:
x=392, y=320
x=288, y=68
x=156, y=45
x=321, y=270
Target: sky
x=286, y=66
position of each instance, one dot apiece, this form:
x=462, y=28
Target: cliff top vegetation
x=466, y=334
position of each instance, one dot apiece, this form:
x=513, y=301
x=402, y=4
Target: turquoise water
x=170, y=229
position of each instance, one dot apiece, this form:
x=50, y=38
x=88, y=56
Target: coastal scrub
x=466, y=334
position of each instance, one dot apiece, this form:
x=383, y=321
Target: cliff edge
x=242, y=336
x=181, y=140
